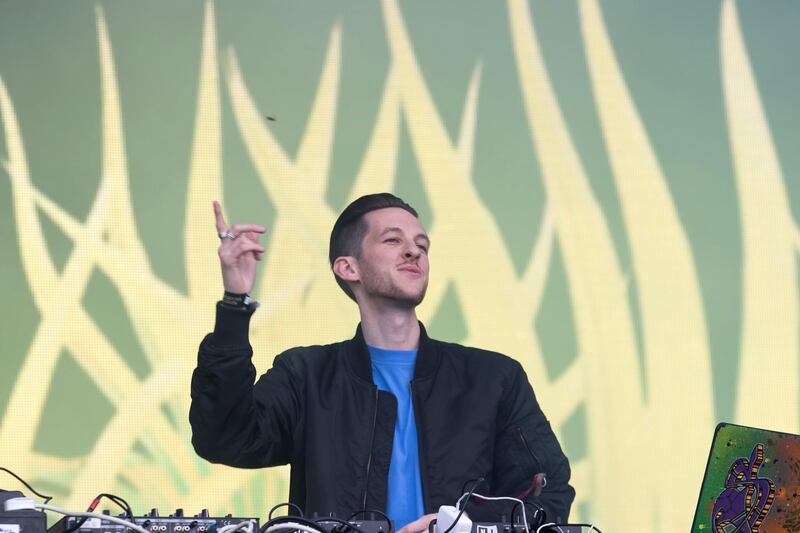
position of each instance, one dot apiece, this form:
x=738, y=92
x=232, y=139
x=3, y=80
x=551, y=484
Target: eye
x=423, y=248
x=392, y=240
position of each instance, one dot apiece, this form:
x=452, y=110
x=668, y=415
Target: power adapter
x=17, y=514
x=447, y=515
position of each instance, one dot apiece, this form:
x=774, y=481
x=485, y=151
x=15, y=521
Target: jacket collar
x=357, y=354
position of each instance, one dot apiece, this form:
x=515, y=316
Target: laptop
x=751, y=484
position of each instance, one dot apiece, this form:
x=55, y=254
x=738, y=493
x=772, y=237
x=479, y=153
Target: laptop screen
x=751, y=484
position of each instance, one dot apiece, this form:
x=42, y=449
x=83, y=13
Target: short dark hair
x=350, y=228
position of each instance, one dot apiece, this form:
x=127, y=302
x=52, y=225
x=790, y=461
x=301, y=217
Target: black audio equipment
x=568, y=529
x=174, y=523
x=491, y=527
x=22, y=520
x=367, y=526
x=377, y=526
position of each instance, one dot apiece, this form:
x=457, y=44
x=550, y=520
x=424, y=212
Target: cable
x=246, y=526
x=431, y=525
x=110, y=518
x=385, y=518
x=294, y=520
x=120, y=501
x=464, y=486
x=92, y=506
x=291, y=526
x=536, y=509
x=339, y=521
x=591, y=527
x=461, y=508
x=287, y=504
x=39, y=494
x=77, y=525
x=500, y=498
x=468, y=495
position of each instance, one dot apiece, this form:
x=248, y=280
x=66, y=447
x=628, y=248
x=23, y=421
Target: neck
x=390, y=329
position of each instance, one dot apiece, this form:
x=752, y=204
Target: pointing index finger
x=220, y=220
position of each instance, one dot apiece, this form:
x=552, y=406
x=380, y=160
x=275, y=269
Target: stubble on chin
x=386, y=288
x=399, y=295
x=415, y=299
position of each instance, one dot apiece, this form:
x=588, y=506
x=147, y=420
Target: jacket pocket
x=527, y=454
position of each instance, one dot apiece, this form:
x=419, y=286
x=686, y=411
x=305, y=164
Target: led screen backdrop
x=610, y=188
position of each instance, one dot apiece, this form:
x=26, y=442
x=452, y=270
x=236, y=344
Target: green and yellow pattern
x=558, y=190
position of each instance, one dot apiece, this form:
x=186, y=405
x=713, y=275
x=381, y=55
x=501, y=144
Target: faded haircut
x=350, y=228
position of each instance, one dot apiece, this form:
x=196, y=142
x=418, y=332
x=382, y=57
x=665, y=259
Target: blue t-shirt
x=392, y=371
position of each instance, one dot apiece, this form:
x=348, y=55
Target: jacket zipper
x=371, y=445
x=530, y=451
x=420, y=450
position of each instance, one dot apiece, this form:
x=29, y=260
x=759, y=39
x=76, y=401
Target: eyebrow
x=392, y=229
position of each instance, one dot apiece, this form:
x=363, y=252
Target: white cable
x=246, y=526
x=292, y=526
x=497, y=498
x=110, y=518
x=545, y=525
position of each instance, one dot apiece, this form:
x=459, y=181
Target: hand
x=419, y=525
x=238, y=256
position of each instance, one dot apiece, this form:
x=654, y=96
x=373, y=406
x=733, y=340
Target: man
x=389, y=420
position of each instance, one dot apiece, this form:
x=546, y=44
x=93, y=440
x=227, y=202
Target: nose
x=411, y=251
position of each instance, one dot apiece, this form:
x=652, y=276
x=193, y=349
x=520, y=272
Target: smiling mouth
x=411, y=269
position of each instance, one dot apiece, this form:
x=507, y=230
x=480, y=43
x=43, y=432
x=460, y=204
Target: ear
x=346, y=267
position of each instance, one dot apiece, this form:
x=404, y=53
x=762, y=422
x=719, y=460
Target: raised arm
x=230, y=423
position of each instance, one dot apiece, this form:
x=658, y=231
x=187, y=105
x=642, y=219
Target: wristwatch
x=238, y=300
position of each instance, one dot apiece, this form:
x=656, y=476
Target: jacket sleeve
x=235, y=421
x=526, y=446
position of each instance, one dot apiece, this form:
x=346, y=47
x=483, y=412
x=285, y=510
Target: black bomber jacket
x=319, y=410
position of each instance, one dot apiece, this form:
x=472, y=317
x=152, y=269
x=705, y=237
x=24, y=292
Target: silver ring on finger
x=227, y=234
